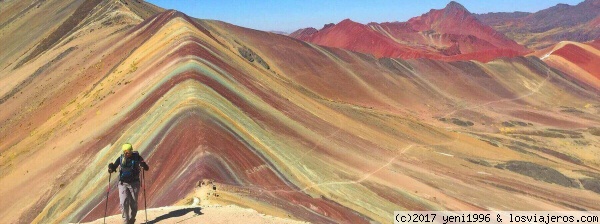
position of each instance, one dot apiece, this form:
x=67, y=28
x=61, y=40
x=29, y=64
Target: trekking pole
x=145, y=206
x=107, y=191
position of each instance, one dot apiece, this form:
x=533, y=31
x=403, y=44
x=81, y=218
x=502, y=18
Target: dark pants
x=128, y=195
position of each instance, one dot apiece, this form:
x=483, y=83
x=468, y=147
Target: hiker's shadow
x=176, y=213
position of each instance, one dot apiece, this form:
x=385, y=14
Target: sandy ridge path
x=201, y=214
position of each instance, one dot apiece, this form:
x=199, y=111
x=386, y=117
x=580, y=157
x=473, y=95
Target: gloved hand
x=144, y=165
x=111, y=168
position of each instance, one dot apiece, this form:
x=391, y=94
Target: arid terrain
x=286, y=130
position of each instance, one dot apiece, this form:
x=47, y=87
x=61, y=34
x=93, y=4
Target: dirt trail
x=200, y=214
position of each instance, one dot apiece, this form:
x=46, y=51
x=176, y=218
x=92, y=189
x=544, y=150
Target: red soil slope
x=581, y=61
x=455, y=19
x=439, y=34
x=585, y=59
x=359, y=37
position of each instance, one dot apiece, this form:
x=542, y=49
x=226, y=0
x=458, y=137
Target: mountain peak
x=327, y=25
x=346, y=21
x=346, y=24
x=304, y=33
x=452, y=5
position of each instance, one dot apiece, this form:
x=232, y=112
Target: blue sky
x=289, y=15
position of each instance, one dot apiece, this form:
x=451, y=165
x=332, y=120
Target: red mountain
x=452, y=33
x=359, y=37
x=578, y=60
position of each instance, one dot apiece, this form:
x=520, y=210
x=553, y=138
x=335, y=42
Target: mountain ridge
x=550, y=26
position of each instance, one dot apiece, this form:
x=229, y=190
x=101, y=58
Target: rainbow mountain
x=285, y=127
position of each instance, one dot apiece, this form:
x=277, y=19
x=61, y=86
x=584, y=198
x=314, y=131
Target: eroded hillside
x=288, y=128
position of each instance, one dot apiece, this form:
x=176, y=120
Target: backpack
x=130, y=172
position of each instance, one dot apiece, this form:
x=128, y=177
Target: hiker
x=129, y=180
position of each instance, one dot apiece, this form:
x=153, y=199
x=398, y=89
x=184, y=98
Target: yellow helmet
x=127, y=147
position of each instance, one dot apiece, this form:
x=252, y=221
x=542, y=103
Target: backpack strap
x=137, y=157
x=122, y=162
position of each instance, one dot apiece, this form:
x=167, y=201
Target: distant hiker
x=129, y=180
